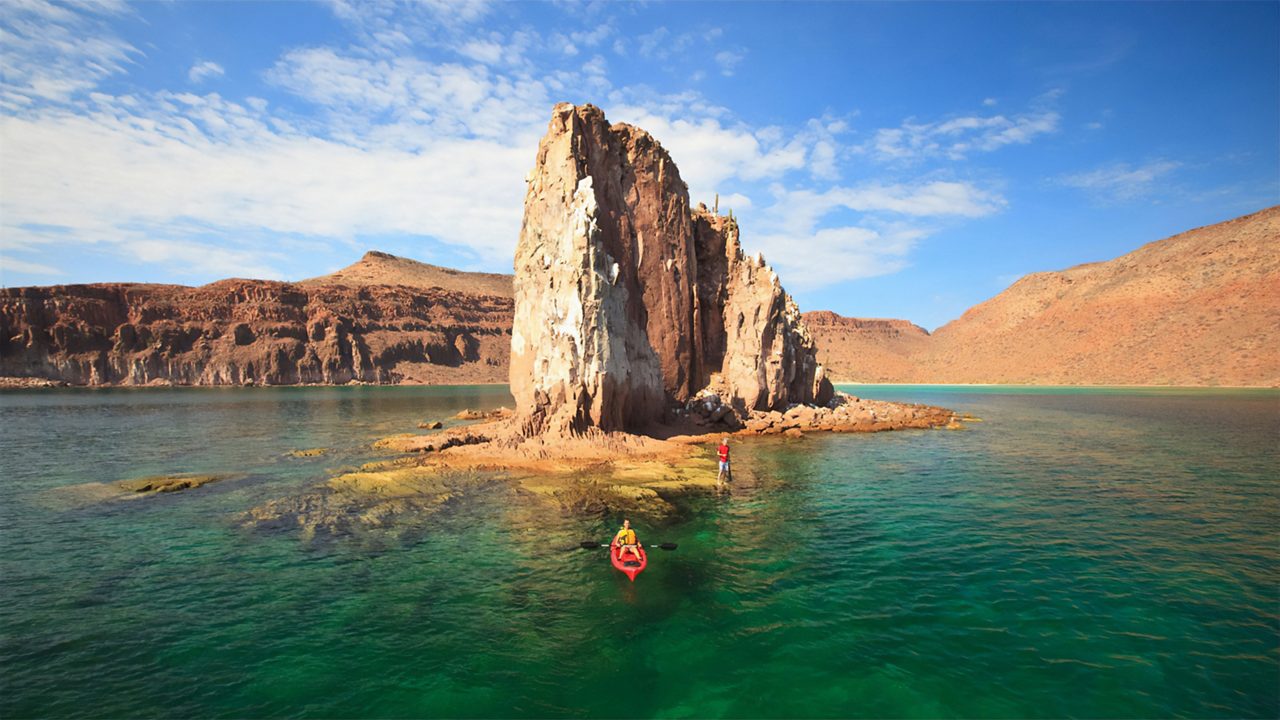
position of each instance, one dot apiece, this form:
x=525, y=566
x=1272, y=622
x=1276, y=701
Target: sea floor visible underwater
x=1079, y=553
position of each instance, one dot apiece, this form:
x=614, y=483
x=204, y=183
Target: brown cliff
x=235, y=332
x=628, y=302
x=866, y=349
x=1201, y=308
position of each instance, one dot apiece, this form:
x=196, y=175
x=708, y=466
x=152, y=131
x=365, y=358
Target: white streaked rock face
x=627, y=302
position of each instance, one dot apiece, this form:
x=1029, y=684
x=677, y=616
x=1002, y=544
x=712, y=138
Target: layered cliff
x=236, y=332
x=628, y=302
x=867, y=349
x=1201, y=308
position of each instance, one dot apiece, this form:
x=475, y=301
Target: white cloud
x=483, y=51
x=661, y=43
x=801, y=210
x=651, y=43
x=592, y=38
x=834, y=255
x=9, y=264
x=384, y=25
x=395, y=144
x=123, y=180
x=807, y=255
x=52, y=52
x=959, y=137
x=1121, y=181
x=709, y=153
x=204, y=69
x=426, y=101
x=728, y=61
x=822, y=161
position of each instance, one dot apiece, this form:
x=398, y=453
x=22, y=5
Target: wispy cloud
x=424, y=101
x=10, y=265
x=1121, y=181
x=204, y=69
x=52, y=52
x=728, y=61
x=388, y=25
x=958, y=137
x=661, y=43
x=894, y=218
x=379, y=139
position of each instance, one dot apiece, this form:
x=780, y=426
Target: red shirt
x=724, y=453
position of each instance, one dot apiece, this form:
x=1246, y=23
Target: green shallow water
x=1083, y=553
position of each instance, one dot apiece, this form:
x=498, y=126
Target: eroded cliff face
x=236, y=332
x=759, y=355
x=866, y=349
x=628, y=303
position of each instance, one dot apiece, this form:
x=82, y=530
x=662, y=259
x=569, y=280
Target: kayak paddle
x=591, y=544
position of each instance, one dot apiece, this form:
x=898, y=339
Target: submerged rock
x=168, y=483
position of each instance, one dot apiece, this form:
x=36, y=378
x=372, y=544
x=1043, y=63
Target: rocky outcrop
x=628, y=302
x=237, y=332
x=168, y=483
x=758, y=353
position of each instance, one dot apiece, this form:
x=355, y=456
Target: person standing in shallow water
x=723, y=453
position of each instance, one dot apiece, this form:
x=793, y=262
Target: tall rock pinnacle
x=629, y=303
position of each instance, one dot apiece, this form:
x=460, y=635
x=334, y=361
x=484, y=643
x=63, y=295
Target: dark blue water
x=1083, y=553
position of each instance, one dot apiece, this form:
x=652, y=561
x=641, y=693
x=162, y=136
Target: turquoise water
x=1083, y=553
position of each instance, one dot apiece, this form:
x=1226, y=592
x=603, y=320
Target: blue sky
x=889, y=159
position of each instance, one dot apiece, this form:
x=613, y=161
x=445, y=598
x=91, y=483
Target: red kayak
x=627, y=562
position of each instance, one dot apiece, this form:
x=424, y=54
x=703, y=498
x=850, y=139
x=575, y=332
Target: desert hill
x=1198, y=308
x=379, y=268
x=866, y=349
x=422, y=325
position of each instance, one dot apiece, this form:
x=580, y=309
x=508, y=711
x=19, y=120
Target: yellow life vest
x=625, y=536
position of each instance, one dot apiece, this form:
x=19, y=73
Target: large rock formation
x=236, y=332
x=629, y=303
x=1198, y=308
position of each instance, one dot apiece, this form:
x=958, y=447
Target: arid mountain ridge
x=1199, y=308
x=382, y=320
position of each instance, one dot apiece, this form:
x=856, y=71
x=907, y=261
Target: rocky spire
x=628, y=302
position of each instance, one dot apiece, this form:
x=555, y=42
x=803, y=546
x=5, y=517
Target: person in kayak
x=626, y=540
x=723, y=453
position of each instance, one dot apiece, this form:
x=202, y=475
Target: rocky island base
x=595, y=473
